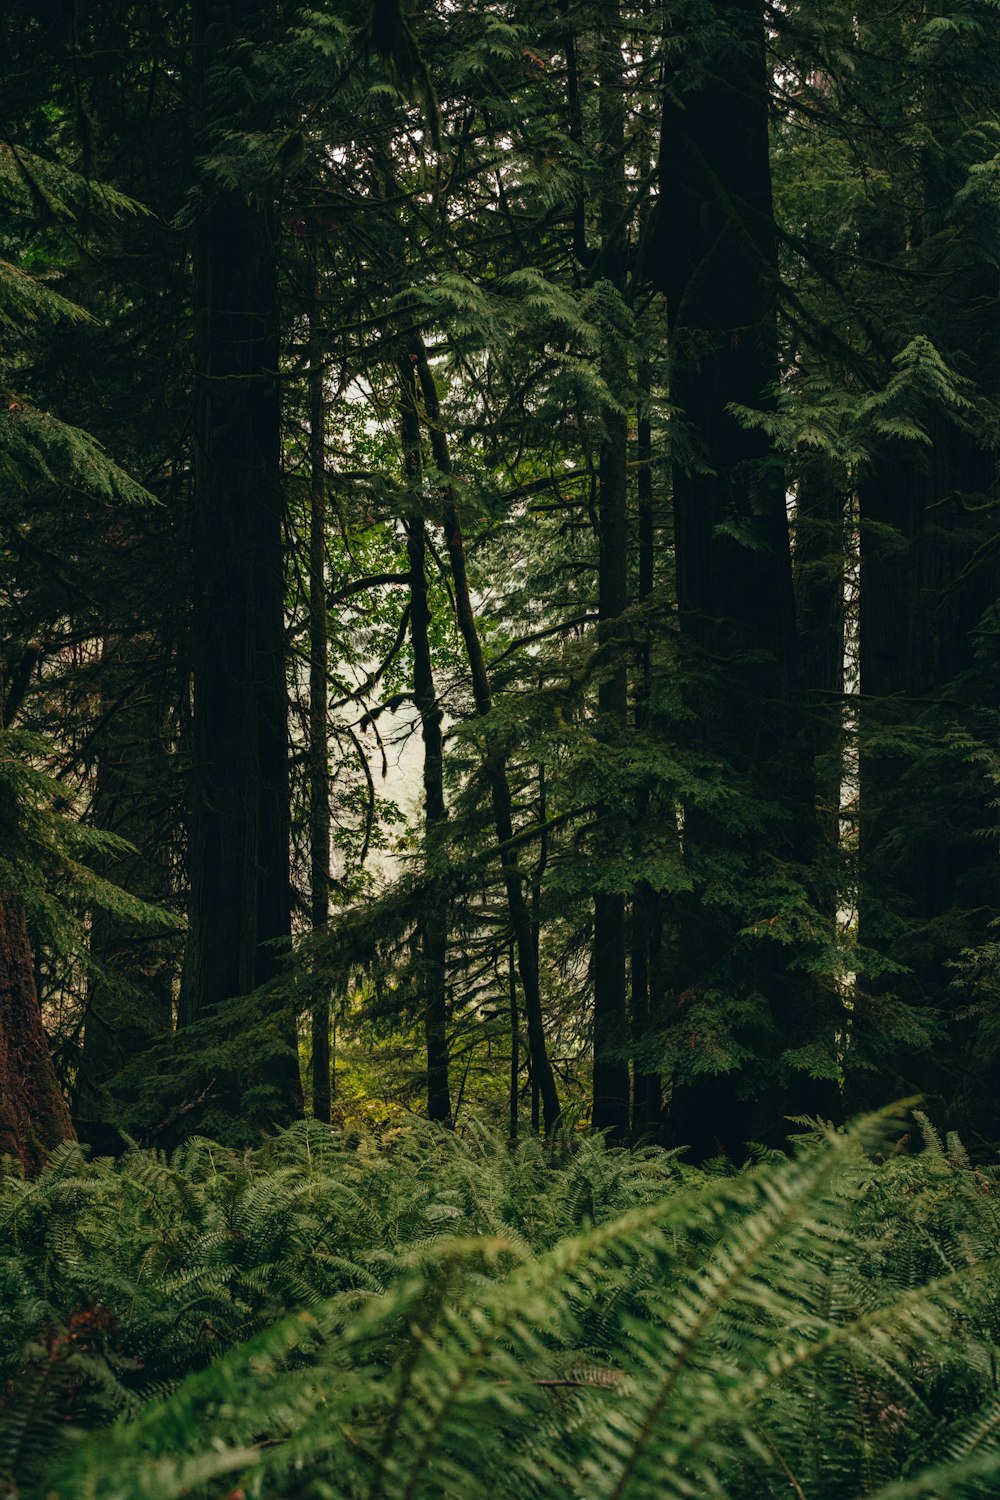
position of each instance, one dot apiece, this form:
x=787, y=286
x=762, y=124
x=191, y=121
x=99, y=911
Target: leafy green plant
x=428, y=1314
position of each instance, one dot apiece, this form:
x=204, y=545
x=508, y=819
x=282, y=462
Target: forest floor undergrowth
x=429, y=1314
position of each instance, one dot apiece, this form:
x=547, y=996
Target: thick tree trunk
x=716, y=263
x=822, y=559
x=34, y=1116
x=717, y=266
x=434, y=924
x=239, y=857
x=821, y=562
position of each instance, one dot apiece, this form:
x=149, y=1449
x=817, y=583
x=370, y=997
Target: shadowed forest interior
x=499, y=764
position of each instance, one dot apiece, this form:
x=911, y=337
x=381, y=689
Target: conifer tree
x=240, y=891
x=928, y=562
x=43, y=459
x=611, y=1106
x=319, y=669
x=434, y=920
x=715, y=261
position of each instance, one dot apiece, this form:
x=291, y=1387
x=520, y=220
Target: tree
x=41, y=459
x=611, y=1074
x=434, y=922
x=928, y=570
x=130, y=993
x=34, y=1116
x=240, y=893
x=319, y=669
x=610, y=481
x=715, y=262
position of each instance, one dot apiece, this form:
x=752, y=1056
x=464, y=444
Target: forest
x=499, y=758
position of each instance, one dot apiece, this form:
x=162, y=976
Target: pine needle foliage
x=35, y=445
x=47, y=854
x=432, y=1315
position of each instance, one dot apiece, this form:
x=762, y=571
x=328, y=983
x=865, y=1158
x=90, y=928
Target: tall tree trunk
x=575, y=130
x=33, y=1113
x=495, y=768
x=496, y=754
x=513, y=1093
x=240, y=890
x=646, y=915
x=434, y=924
x=319, y=734
x=611, y=1039
x=927, y=883
x=133, y=1006
x=716, y=263
x=821, y=562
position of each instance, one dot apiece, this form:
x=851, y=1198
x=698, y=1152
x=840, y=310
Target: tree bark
x=34, y=1116
x=514, y=1090
x=319, y=734
x=716, y=263
x=434, y=924
x=646, y=914
x=927, y=883
x=821, y=562
x=239, y=821
x=611, y=1038
x=133, y=1007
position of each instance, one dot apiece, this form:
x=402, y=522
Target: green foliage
x=428, y=1315
x=35, y=445
x=47, y=854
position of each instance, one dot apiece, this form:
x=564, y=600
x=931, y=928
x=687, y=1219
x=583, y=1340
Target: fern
x=432, y=1315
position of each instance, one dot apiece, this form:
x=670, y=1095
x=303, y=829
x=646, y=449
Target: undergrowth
x=433, y=1315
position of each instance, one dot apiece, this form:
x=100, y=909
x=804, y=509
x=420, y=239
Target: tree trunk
x=927, y=882
x=132, y=1007
x=434, y=923
x=820, y=565
x=496, y=756
x=239, y=824
x=646, y=913
x=319, y=734
x=513, y=1093
x=821, y=560
x=34, y=1116
x=611, y=1038
x=716, y=263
